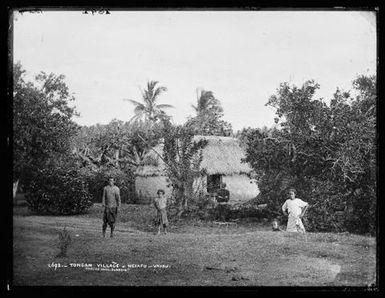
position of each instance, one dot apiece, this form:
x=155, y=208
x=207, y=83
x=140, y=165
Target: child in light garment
x=160, y=203
x=296, y=209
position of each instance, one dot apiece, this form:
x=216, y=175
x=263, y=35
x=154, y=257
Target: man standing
x=110, y=203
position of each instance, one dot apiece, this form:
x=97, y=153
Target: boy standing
x=296, y=209
x=160, y=203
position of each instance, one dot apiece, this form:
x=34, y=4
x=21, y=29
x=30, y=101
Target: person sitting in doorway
x=223, y=195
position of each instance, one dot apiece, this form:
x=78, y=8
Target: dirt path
x=76, y=224
x=259, y=258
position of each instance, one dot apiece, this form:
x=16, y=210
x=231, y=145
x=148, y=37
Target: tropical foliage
x=42, y=122
x=326, y=151
x=58, y=189
x=182, y=156
x=43, y=135
x=118, y=144
x=97, y=179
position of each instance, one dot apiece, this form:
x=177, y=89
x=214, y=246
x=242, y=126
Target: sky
x=241, y=56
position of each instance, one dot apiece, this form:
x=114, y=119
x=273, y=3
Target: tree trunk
x=15, y=185
x=188, y=193
x=117, y=158
x=180, y=200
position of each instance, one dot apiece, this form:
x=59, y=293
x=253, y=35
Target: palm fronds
x=148, y=108
x=164, y=106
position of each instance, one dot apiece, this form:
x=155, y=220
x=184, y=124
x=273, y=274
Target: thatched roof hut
x=222, y=160
x=223, y=155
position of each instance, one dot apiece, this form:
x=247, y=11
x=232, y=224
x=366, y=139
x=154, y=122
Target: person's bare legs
x=112, y=230
x=104, y=227
x=159, y=229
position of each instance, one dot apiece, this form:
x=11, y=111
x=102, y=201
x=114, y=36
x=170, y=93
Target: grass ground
x=193, y=253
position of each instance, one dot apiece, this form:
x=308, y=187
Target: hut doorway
x=213, y=183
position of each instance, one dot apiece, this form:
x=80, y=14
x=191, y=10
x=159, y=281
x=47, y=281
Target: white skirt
x=294, y=224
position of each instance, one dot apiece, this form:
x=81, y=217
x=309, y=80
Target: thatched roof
x=222, y=155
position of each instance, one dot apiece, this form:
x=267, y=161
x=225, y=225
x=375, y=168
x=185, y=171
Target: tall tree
x=242, y=134
x=207, y=103
x=42, y=121
x=327, y=151
x=149, y=109
x=208, y=120
x=182, y=156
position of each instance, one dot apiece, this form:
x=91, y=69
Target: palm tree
x=149, y=109
x=206, y=102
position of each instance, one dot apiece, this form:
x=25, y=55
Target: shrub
x=58, y=190
x=252, y=211
x=96, y=180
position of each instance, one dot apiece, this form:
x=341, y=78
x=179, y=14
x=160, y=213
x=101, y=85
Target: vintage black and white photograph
x=206, y=147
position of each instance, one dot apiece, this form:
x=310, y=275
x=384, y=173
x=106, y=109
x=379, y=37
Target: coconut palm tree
x=206, y=102
x=148, y=108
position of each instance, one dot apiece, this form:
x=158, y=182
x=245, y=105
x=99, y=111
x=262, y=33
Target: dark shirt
x=223, y=195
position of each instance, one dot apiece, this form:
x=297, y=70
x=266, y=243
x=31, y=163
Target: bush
x=252, y=211
x=97, y=180
x=204, y=208
x=58, y=190
x=332, y=208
